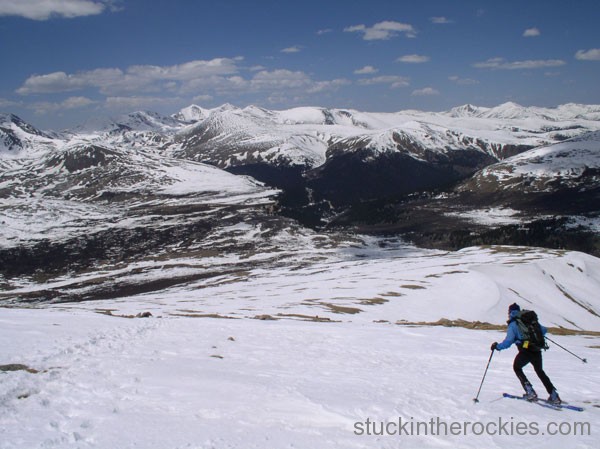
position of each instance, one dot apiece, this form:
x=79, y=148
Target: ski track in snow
x=202, y=383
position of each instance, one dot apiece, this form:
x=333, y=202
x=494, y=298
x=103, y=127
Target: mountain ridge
x=244, y=187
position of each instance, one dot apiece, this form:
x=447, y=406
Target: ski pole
x=562, y=347
x=476, y=400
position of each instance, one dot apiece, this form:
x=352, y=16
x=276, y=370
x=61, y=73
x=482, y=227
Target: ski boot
x=530, y=393
x=554, y=398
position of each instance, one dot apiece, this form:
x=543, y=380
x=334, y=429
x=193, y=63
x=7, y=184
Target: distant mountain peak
x=191, y=113
x=7, y=120
x=134, y=121
x=466, y=110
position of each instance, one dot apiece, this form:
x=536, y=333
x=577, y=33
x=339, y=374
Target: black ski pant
x=525, y=357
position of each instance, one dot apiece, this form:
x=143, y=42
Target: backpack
x=531, y=331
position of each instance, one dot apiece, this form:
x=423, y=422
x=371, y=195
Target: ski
x=540, y=403
x=545, y=403
x=564, y=405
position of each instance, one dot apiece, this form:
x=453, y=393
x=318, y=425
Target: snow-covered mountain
x=247, y=136
x=321, y=329
x=574, y=163
x=20, y=139
x=135, y=121
x=514, y=111
x=420, y=150
x=195, y=113
x=229, y=136
x=87, y=205
x=140, y=174
x=137, y=130
x=254, y=134
x=92, y=173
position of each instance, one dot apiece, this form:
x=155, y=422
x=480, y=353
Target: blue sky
x=66, y=60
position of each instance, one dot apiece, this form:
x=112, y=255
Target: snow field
x=362, y=285
x=175, y=381
x=203, y=383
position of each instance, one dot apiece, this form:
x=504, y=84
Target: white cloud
x=324, y=31
x=355, y=28
x=148, y=86
x=263, y=82
x=440, y=20
x=45, y=107
x=463, y=81
x=323, y=86
x=76, y=102
x=62, y=82
x=215, y=85
x=202, y=98
x=113, y=81
x=531, y=32
x=413, y=59
x=187, y=70
x=49, y=83
x=136, y=103
x=287, y=80
x=45, y=9
x=393, y=80
x=425, y=92
x=4, y=103
x=588, y=55
x=502, y=64
x=294, y=49
x=279, y=99
x=366, y=70
x=279, y=79
x=383, y=30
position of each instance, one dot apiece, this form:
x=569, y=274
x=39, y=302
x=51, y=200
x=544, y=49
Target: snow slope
x=84, y=188
x=182, y=382
x=361, y=283
x=332, y=349
x=574, y=162
x=309, y=136
x=19, y=139
x=264, y=334
x=135, y=121
x=228, y=135
x=232, y=136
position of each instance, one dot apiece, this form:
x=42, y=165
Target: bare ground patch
x=315, y=318
x=204, y=315
x=413, y=287
x=482, y=325
x=17, y=367
x=109, y=312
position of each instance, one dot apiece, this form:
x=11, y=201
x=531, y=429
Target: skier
x=526, y=356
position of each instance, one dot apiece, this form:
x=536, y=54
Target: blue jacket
x=513, y=335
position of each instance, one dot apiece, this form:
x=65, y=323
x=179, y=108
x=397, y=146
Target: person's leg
x=536, y=361
x=522, y=359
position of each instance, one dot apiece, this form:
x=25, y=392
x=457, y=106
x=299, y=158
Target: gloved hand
x=494, y=346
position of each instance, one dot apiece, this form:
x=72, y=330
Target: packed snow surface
x=202, y=372
x=107, y=382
